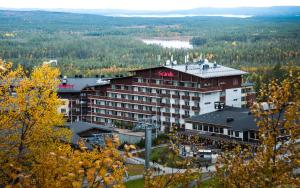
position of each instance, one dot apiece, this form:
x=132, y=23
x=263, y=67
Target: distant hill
x=250, y=11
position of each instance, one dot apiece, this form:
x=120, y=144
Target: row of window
x=144, y=107
x=208, y=128
x=154, y=90
x=182, y=83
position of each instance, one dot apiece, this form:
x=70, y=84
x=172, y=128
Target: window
x=177, y=111
x=177, y=93
x=159, y=100
x=148, y=90
x=222, y=94
x=186, y=93
x=205, y=128
x=63, y=110
x=130, y=97
x=195, y=126
x=252, y=135
x=216, y=130
x=194, y=85
x=140, y=116
x=222, y=83
x=186, y=103
x=235, y=90
x=167, y=101
x=235, y=82
x=140, y=107
x=236, y=133
x=235, y=99
x=140, y=80
x=168, y=110
x=199, y=127
x=210, y=129
x=187, y=113
x=158, y=81
x=221, y=130
x=207, y=103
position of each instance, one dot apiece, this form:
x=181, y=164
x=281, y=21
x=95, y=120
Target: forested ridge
x=85, y=44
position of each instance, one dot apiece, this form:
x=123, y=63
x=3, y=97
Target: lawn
x=135, y=169
x=139, y=183
x=164, y=156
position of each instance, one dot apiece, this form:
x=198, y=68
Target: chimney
x=229, y=119
x=65, y=80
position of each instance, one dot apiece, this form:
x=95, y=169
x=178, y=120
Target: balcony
x=195, y=108
x=123, y=109
x=176, y=115
x=177, y=87
x=127, y=101
x=185, y=107
x=176, y=96
x=166, y=114
x=196, y=98
x=186, y=97
x=175, y=105
x=114, y=117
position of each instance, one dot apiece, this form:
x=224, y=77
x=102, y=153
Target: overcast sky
x=141, y=4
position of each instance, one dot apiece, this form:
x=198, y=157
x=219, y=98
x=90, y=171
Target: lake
x=177, y=44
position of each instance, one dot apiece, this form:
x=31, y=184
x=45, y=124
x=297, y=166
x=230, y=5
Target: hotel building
x=168, y=94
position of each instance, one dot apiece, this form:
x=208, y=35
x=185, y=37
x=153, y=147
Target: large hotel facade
x=169, y=94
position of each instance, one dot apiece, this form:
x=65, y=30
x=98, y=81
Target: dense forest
x=93, y=44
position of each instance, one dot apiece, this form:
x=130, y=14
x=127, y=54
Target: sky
x=142, y=4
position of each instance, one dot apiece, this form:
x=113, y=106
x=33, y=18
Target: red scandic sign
x=66, y=86
x=166, y=73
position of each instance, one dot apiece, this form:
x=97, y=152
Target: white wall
x=233, y=97
x=206, y=98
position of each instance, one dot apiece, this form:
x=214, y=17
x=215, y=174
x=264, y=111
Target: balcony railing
x=122, y=109
x=177, y=87
x=128, y=101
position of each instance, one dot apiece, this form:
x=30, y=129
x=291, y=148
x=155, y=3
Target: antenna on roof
x=168, y=62
x=158, y=58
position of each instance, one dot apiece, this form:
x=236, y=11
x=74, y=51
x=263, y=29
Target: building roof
x=242, y=119
x=80, y=127
x=78, y=84
x=206, y=70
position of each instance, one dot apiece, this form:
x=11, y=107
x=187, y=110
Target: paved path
x=164, y=170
